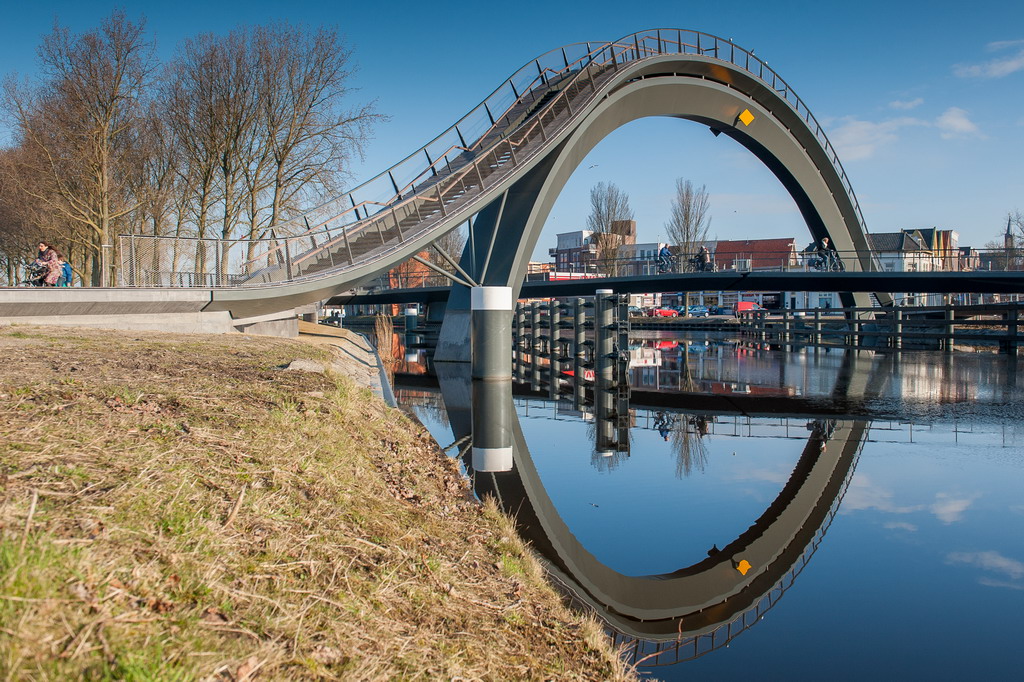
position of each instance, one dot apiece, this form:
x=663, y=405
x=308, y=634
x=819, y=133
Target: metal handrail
x=500, y=131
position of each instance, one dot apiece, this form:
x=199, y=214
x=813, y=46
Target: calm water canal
x=769, y=515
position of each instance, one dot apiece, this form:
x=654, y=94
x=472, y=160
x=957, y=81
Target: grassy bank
x=177, y=507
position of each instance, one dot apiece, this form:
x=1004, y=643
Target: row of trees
x=688, y=225
x=234, y=134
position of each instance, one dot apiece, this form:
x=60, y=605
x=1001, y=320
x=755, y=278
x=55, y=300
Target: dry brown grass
x=175, y=507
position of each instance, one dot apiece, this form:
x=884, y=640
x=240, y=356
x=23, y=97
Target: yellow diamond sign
x=746, y=117
x=744, y=565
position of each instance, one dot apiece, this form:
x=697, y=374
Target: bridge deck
x=919, y=282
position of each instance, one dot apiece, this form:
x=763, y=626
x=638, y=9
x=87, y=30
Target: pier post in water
x=554, y=362
x=535, y=345
x=579, y=331
x=604, y=370
x=492, y=426
x=491, y=309
x=604, y=326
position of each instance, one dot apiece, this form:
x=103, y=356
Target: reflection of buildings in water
x=734, y=367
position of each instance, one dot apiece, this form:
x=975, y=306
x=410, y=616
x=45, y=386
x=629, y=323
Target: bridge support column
x=554, y=350
x=604, y=365
x=1012, y=327
x=947, y=342
x=491, y=333
x=579, y=340
x=492, y=426
x=535, y=345
x=604, y=370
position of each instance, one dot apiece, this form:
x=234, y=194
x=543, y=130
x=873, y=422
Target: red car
x=746, y=307
x=664, y=312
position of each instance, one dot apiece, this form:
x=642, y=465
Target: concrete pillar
x=520, y=342
x=604, y=371
x=411, y=337
x=947, y=343
x=554, y=363
x=623, y=326
x=492, y=426
x=604, y=360
x=897, y=329
x=535, y=344
x=1012, y=329
x=412, y=319
x=491, y=312
x=604, y=415
x=579, y=332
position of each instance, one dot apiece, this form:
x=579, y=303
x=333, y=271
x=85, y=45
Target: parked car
x=664, y=312
x=697, y=311
x=635, y=311
x=746, y=306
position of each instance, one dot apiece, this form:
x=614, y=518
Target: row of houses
x=577, y=254
x=918, y=250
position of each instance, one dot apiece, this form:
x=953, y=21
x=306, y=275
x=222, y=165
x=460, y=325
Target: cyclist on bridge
x=664, y=259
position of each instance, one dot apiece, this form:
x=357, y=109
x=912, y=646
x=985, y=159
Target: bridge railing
x=440, y=180
x=951, y=260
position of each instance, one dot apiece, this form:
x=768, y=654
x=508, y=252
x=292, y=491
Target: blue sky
x=923, y=100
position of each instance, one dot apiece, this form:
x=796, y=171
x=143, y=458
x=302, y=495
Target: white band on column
x=490, y=298
x=492, y=459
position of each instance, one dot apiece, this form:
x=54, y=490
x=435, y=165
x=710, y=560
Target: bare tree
x=245, y=131
x=309, y=137
x=261, y=119
x=81, y=120
x=18, y=232
x=608, y=205
x=689, y=220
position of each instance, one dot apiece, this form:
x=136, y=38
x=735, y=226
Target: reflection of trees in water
x=605, y=456
x=427, y=403
x=686, y=382
x=689, y=446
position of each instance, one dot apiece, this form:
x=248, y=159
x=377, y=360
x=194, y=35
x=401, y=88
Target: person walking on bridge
x=703, y=259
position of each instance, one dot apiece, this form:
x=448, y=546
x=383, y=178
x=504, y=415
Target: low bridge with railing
x=499, y=169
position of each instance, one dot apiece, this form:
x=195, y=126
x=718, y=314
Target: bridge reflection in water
x=679, y=614
x=686, y=602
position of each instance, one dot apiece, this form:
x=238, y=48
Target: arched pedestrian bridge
x=503, y=165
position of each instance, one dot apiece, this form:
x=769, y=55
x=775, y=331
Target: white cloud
x=856, y=140
x=764, y=476
x=864, y=494
x=907, y=104
x=949, y=509
x=954, y=123
x=989, y=582
x=995, y=68
x=1003, y=44
x=989, y=561
x=901, y=525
